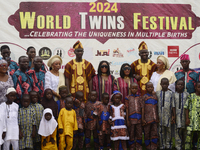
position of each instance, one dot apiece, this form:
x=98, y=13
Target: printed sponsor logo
x=103, y=52
x=45, y=53
x=176, y=68
x=150, y=54
x=111, y=72
x=131, y=52
x=159, y=53
x=173, y=51
x=71, y=52
x=117, y=53
x=59, y=51
x=116, y=72
x=119, y=63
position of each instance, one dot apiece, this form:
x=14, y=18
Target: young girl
x=48, y=102
x=12, y=133
x=117, y=120
x=192, y=116
x=67, y=124
x=48, y=130
x=27, y=124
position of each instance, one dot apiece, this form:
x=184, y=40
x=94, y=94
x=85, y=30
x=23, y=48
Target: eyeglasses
x=104, y=66
x=3, y=65
x=126, y=68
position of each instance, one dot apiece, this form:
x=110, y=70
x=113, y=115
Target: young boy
x=22, y=82
x=12, y=128
x=179, y=99
x=63, y=92
x=91, y=121
x=192, y=117
x=31, y=52
x=150, y=118
x=103, y=123
x=38, y=75
x=134, y=110
x=79, y=109
x=165, y=114
x=38, y=116
x=27, y=123
x=67, y=124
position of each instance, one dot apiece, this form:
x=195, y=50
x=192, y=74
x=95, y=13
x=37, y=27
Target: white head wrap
x=53, y=59
x=164, y=60
x=46, y=128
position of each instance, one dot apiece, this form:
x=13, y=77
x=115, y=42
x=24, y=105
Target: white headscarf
x=164, y=60
x=46, y=128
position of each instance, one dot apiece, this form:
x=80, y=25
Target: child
x=79, y=109
x=63, y=92
x=91, y=121
x=165, y=114
x=48, y=130
x=38, y=75
x=179, y=99
x=22, y=82
x=134, y=110
x=103, y=123
x=117, y=120
x=38, y=116
x=150, y=118
x=67, y=124
x=48, y=102
x=2, y=124
x=12, y=128
x=192, y=116
x=27, y=123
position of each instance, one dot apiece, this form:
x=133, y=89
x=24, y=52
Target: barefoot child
x=150, y=121
x=134, y=110
x=48, y=130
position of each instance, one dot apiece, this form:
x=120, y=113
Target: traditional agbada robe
x=145, y=70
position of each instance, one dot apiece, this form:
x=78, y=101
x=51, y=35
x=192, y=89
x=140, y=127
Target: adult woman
x=123, y=83
x=53, y=78
x=103, y=82
x=163, y=72
x=5, y=80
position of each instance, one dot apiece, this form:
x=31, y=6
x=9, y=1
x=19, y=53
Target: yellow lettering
x=66, y=22
x=161, y=22
x=153, y=25
x=136, y=20
x=57, y=22
x=183, y=24
x=27, y=18
x=174, y=21
x=40, y=22
x=190, y=23
x=144, y=22
x=167, y=23
x=49, y=22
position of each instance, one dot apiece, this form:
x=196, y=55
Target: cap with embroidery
x=185, y=57
x=142, y=46
x=78, y=45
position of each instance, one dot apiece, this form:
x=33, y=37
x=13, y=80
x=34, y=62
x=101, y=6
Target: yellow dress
x=67, y=121
x=49, y=145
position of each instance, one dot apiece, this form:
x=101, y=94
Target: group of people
x=42, y=109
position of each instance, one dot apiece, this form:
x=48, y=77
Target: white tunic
x=51, y=81
x=2, y=122
x=12, y=125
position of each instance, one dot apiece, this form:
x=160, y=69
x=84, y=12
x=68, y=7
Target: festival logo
x=131, y=52
x=45, y=53
x=159, y=53
x=102, y=20
x=173, y=51
x=103, y=52
x=59, y=51
x=71, y=52
x=117, y=53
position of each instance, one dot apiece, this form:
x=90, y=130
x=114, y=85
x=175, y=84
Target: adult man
x=79, y=73
x=5, y=52
x=188, y=75
x=143, y=68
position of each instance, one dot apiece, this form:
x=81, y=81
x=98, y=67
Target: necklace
x=104, y=74
x=8, y=110
x=126, y=77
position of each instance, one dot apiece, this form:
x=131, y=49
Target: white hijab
x=46, y=128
